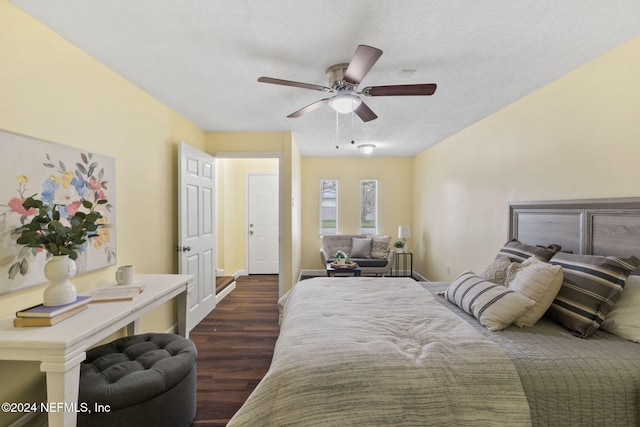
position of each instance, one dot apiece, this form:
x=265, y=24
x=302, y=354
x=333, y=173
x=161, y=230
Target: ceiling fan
x=343, y=83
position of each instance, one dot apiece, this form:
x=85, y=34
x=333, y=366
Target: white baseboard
x=420, y=277
x=226, y=291
x=220, y=272
x=31, y=419
x=240, y=273
x=172, y=330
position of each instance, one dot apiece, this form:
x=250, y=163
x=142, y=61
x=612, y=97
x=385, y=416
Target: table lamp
x=403, y=233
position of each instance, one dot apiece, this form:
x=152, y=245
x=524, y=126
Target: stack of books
x=41, y=315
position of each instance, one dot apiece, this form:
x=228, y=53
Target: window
x=368, y=206
x=328, y=206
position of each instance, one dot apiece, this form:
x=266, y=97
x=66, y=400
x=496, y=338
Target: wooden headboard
x=589, y=227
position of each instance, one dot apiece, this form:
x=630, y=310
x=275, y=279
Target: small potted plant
x=62, y=238
x=399, y=245
x=341, y=257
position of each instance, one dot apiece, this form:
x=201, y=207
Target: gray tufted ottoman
x=142, y=380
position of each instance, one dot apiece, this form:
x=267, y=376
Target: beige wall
x=578, y=137
x=52, y=90
x=395, y=197
x=247, y=143
x=231, y=209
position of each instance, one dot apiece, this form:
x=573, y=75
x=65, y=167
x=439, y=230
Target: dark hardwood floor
x=235, y=345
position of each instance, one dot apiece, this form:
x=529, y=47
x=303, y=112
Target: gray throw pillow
x=360, y=248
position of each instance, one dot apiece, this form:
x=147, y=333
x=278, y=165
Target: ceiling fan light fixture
x=366, y=148
x=345, y=103
x=344, y=79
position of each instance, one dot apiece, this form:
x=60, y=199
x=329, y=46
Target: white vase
x=58, y=271
x=341, y=261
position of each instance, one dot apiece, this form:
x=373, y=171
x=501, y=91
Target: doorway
x=232, y=211
x=262, y=223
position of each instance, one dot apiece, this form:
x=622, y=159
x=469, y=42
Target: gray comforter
x=569, y=381
x=381, y=352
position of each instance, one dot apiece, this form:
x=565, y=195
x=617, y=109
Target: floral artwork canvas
x=61, y=176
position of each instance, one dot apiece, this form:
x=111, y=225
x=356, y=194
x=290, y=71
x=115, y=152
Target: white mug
x=124, y=275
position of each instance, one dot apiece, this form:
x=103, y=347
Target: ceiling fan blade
x=294, y=84
x=400, y=90
x=365, y=113
x=362, y=61
x=308, y=108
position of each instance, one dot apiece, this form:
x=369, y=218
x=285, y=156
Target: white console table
x=61, y=348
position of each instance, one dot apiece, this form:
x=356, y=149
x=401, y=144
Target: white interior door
x=263, y=223
x=196, y=229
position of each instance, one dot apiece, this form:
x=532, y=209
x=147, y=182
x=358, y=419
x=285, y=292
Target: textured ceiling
x=202, y=58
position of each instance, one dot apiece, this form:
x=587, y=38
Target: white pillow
x=624, y=318
x=495, y=306
x=539, y=281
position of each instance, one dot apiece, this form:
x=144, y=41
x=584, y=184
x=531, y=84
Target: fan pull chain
x=337, y=130
x=352, y=127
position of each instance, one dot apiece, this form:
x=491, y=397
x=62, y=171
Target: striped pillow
x=519, y=251
x=495, y=306
x=591, y=285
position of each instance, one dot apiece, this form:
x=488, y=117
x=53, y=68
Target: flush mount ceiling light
x=366, y=148
x=345, y=103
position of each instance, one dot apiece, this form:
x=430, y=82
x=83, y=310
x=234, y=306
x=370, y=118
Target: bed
x=386, y=351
